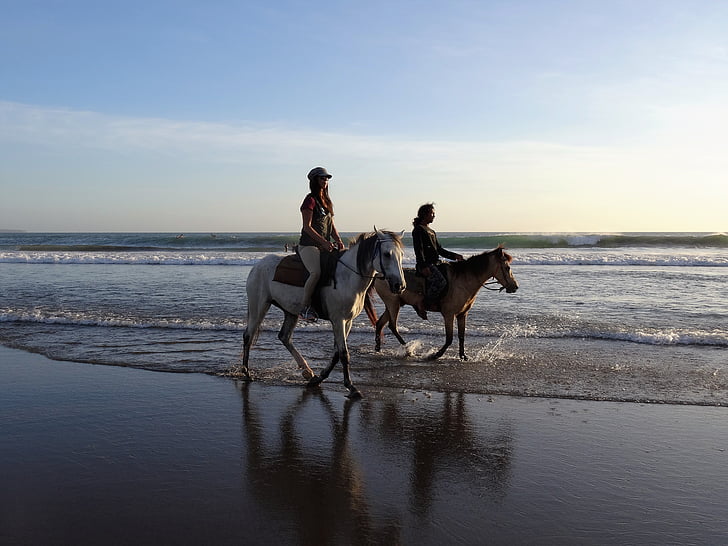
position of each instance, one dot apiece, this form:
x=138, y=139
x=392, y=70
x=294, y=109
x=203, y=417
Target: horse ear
x=401, y=233
x=375, y=229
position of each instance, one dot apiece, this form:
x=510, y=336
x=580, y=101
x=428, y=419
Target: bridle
x=495, y=281
x=377, y=250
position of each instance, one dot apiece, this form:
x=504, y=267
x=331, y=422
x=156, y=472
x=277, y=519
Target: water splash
x=410, y=349
x=496, y=350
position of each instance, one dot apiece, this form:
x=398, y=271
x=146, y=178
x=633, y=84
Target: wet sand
x=104, y=455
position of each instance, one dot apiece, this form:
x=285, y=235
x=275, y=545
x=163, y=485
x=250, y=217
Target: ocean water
x=634, y=316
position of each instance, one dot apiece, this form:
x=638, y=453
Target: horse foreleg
x=461, y=334
x=341, y=331
x=353, y=391
x=448, y=337
x=345, y=361
x=284, y=335
x=324, y=374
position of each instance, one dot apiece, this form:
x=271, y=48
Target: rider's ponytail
x=422, y=212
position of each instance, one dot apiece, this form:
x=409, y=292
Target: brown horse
x=464, y=281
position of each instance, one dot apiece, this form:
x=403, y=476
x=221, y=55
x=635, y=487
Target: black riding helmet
x=318, y=171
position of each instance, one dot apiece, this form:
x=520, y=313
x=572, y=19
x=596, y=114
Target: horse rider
x=427, y=253
x=318, y=233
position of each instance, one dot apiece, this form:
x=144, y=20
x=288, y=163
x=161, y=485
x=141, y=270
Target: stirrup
x=308, y=314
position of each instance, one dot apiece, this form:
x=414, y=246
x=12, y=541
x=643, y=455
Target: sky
x=511, y=116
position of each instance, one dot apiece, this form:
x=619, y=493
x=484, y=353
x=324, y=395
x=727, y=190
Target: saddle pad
x=290, y=270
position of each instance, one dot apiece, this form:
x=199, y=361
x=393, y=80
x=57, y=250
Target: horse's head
x=503, y=273
x=387, y=259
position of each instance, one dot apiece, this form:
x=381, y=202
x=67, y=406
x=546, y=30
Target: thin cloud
x=62, y=128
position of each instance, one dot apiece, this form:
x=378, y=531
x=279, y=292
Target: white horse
x=378, y=253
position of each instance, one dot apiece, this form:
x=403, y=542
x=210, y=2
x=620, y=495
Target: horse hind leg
x=393, y=318
x=389, y=317
x=378, y=335
x=284, y=335
x=250, y=336
x=258, y=305
x=248, y=342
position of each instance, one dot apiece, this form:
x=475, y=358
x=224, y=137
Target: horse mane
x=368, y=245
x=476, y=263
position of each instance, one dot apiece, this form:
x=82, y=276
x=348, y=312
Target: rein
x=347, y=266
x=485, y=285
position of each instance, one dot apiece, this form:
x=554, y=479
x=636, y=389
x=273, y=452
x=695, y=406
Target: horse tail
x=369, y=305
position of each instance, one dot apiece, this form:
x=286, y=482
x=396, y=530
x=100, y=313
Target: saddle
x=291, y=271
x=418, y=283
x=415, y=281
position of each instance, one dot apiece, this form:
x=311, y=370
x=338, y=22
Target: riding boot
x=431, y=302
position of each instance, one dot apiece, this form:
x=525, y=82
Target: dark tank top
x=321, y=223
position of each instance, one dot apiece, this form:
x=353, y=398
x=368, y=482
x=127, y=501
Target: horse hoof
x=464, y=358
x=315, y=381
x=308, y=374
x=243, y=376
x=354, y=394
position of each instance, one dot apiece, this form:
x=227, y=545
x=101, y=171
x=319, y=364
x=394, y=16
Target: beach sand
x=104, y=455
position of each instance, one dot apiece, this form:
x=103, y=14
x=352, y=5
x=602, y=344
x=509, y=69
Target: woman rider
x=427, y=253
x=317, y=233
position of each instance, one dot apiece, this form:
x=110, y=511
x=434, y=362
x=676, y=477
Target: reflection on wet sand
x=443, y=441
x=325, y=484
x=93, y=452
